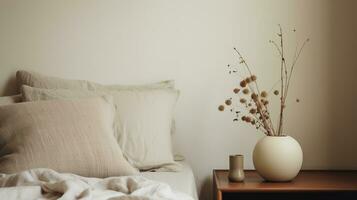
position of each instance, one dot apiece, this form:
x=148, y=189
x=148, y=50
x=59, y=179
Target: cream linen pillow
x=72, y=136
x=39, y=94
x=10, y=99
x=38, y=80
x=143, y=121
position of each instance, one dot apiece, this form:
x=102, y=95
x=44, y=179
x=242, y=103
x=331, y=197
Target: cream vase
x=278, y=158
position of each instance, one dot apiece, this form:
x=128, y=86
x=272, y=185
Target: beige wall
x=191, y=41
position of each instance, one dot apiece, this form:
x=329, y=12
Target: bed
x=182, y=181
x=74, y=139
x=47, y=184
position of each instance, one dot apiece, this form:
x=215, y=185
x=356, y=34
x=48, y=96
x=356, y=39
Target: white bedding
x=182, y=181
x=48, y=184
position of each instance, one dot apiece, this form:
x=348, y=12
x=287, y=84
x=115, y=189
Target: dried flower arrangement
x=253, y=103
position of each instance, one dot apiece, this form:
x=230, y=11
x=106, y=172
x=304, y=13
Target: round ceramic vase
x=278, y=158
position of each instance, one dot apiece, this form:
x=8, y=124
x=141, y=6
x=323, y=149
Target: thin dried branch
x=247, y=67
x=282, y=82
x=274, y=85
x=277, y=47
x=293, y=65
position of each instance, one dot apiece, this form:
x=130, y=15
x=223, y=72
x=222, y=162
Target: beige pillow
x=167, y=84
x=38, y=80
x=10, y=99
x=143, y=121
x=39, y=94
x=73, y=136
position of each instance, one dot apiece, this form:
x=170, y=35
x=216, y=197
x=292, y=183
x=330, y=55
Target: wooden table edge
x=288, y=190
x=218, y=191
x=303, y=170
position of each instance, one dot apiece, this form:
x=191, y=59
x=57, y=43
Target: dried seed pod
x=248, y=119
x=246, y=91
x=253, y=122
x=221, y=108
x=276, y=92
x=243, y=118
x=253, y=77
x=249, y=104
x=243, y=100
x=266, y=102
x=248, y=80
x=228, y=102
x=253, y=111
x=254, y=96
x=264, y=94
x=243, y=83
x=236, y=90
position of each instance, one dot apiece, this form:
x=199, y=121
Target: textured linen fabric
x=10, y=99
x=41, y=81
x=74, y=136
x=38, y=80
x=48, y=184
x=39, y=94
x=183, y=181
x=143, y=121
x=167, y=84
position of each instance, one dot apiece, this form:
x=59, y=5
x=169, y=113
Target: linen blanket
x=48, y=184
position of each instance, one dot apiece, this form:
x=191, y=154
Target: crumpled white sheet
x=48, y=184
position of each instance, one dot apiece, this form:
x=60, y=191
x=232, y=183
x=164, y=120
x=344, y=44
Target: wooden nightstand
x=309, y=184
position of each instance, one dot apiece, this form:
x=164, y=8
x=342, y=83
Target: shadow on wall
x=342, y=97
x=10, y=87
x=206, y=189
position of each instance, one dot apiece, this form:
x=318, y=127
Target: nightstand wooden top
x=306, y=181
